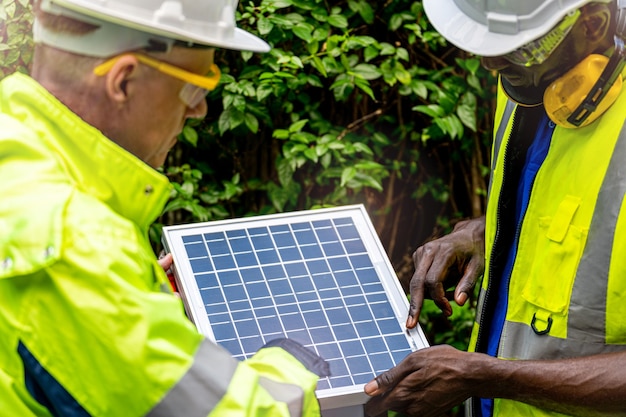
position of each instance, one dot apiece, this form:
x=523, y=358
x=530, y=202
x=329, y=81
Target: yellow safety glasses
x=537, y=51
x=196, y=88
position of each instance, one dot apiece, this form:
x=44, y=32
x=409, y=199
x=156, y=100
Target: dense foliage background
x=357, y=103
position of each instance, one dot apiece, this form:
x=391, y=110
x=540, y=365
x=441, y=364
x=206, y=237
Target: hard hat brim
x=188, y=30
x=475, y=37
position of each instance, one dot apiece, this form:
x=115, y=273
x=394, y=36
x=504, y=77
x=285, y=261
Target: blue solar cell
x=273, y=272
x=338, y=316
x=306, y=296
x=328, y=350
x=262, y=242
x=332, y=249
x=223, y=331
x=349, y=291
x=381, y=362
x=206, y=280
x=348, y=231
x=359, y=365
x=266, y=311
x=361, y=261
x=277, y=228
x=293, y=322
x=287, y=308
x=201, y=265
x=296, y=269
x=311, y=251
x=279, y=287
x=252, y=231
x=315, y=319
x=366, y=328
x=332, y=302
x=229, y=277
x=251, y=274
x=235, y=293
x=196, y=250
x=243, y=315
x=268, y=256
x=354, y=246
x=389, y=326
x=343, y=381
x=223, y=262
x=360, y=312
x=369, y=279
x=346, y=278
x=245, y=259
x=240, y=244
x=192, y=238
x=338, y=367
x=232, y=346
x=301, y=336
x=329, y=293
x=219, y=318
x=212, y=295
x=235, y=233
x=344, y=331
x=322, y=335
x=355, y=300
x=305, y=237
x=322, y=384
x=352, y=348
x=218, y=247
x=317, y=266
x=252, y=344
x=311, y=306
x=258, y=289
x=321, y=223
x=374, y=345
x=339, y=264
x=302, y=284
x=326, y=234
x=240, y=305
x=300, y=226
x=270, y=325
x=382, y=310
x=289, y=254
x=399, y=355
x=324, y=281
x=376, y=297
x=397, y=342
x=246, y=328
x=262, y=302
x=285, y=299
x=214, y=308
x=284, y=239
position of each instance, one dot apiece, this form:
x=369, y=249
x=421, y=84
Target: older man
x=88, y=323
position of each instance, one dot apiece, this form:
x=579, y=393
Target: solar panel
x=320, y=277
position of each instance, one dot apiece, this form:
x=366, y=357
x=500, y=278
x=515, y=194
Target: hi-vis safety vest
x=88, y=324
x=566, y=293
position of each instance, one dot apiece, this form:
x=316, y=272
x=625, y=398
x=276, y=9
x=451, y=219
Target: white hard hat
x=497, y=27
x=129, y=24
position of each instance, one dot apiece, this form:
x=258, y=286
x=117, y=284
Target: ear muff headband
x=577, y=90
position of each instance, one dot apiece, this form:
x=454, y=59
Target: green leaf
x=338, y=21
x=252, y=122
x=347, y=174
x=304, y=31
x=190, y=135
x=367, y=71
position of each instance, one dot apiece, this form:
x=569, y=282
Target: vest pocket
x=549, y=274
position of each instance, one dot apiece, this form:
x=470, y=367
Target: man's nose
x=494, y=63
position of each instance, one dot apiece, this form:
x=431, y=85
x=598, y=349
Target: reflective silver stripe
x=586, y=332
x=591, y=283
x=202, y=387
x=499, y=138
x=290, y=394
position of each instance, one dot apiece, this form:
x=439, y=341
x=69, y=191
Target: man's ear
x=597, y=19
x=120, y=77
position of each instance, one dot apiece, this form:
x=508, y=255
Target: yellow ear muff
x=565, y=95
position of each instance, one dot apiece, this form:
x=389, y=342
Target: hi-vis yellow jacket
x=566, y=294
x=88, y=324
